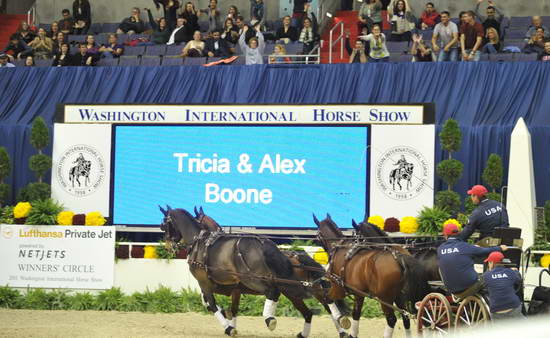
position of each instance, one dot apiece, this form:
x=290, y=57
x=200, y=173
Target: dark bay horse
x=305, y=268
x=384, y=272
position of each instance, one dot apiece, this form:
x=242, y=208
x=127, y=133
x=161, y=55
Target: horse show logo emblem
x=401, y=173
x=7, y=232
x=80, y=170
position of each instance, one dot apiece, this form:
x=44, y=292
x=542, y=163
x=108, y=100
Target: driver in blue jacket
x=486, y=217
x=456, y=262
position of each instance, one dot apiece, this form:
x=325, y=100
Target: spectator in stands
x=29, y=61
x=170, y=9
x=256, y=11
x=430, y=17
x=4, y=61
x=213, y=14
x=378, y=52
x=471, y=36
x=370, y=14
x=233, y=13
x=191, y=21
x=230, y=32
x=59, y=40
x=357, y=54
x=253, y=52
x=111, y=50
x=419, y=51
x=132, y=24
x=536, y=22
x=403, y=22
x=195, y=47
x=248, y=33
x=309, y=35
x=63, y=57
x=179, y=34
x=279, y=55
x=92, y=47
x=445, y=39
x=545, y=54
x=54, y=29
x=462, y=18
x=66, y=25
x=492, y=44
x=161, y=32
x=536, y=43
x=82, y=16
x=299, y=11
x=42, y=45
x=17, y=48
x=83, y=58
x=216, y=47
x=494, y=16
x=286, y=32
x=25, y=33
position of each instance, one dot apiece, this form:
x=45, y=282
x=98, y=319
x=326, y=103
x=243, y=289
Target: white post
x=521, y=198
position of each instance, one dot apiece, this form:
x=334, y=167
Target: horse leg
x=406, y=320
x=390, y=319
x=338, y=292
x=235, y=301
x=339, y=329
x=210, y=302
x=306, y=313
x=270, y=306
x=356, y=315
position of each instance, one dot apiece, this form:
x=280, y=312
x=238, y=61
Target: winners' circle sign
x=80, y=170
x=401, y=173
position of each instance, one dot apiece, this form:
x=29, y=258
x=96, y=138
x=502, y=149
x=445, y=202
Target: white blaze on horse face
x=269, y=308
x=354, y=328
x=306, y=330
x=334, y=311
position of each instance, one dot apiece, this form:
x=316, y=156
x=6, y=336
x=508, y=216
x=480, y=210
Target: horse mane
x=374, y=233
x=184, y=213
x=329, y=229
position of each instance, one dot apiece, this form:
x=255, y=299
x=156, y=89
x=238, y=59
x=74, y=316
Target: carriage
x=441, y=312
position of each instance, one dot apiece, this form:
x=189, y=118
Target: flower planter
x=137, y=251
x=122, y=252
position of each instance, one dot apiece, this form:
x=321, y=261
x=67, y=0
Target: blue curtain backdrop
x=486, y=98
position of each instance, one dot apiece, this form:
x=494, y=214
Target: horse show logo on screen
x=401, y=172
x=7, y=232
x=81, y=170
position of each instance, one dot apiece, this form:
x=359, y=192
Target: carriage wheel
x=434, y=315
x=472, y=311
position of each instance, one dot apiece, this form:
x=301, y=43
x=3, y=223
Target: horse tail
x=415, y=281
x=277, y=262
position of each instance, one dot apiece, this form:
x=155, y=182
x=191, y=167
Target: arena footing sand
x=45, y=324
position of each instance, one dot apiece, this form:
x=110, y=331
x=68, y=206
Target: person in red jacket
x=430, y=17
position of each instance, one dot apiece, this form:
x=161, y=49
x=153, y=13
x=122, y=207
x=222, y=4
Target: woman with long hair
x=54, y=30
x=230, y=31
x=161, y=31
x=29, y=61
x=25, y=33
x=232, y=13
x=370, y=14
x=402, y=20
x=195, y=47
x=279, y=55
x=287, y=32
x=63, y=57
x=190, y=15
x=492, y=42
x=92, y=46
x=378, y=52
x=42, y=45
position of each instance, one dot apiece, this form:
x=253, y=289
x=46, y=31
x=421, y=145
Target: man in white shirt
x=447, y=33
x=178, y=34
x=4, y=61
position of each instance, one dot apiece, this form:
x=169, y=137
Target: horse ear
x=196, y=211
x=315, y=220
x=164, y=212
x=354, y=224
x=366, y=218
x=202, y=211
x=328, y=216
x=168, y=208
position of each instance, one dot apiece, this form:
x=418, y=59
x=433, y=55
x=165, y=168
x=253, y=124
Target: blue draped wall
x=486, y=98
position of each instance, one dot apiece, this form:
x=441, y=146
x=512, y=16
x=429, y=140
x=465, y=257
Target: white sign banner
x=401, y=170
x=73, y=257
x=248, y=114
x=81, y=167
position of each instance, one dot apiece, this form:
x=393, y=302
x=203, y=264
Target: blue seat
x=397, y=46
x=269, y=47
x=194, y=61
x=138, y=50
x=294, y=48
x=43, y=63
x=102, y=39
x=47, y=26
x=74, y=49
x=515, y=34
x=526, y=57
x=172, y=50
x=123, y=38
x=108, y=62
x=203, y=26
x=73, y=39
x=128, y=61
x=19, y=62
x=109, y=27
x=172, y=61
x=520, y=22
x=484, y=57
x=95, y=28
x=155, y=50
x=502, y=57
x=150, y=61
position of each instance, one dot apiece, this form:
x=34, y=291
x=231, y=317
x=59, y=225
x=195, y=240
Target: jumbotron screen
x=261, y=176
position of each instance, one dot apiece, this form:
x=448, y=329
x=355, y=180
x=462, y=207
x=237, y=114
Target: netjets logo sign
x=80, y=170
x=401, y=173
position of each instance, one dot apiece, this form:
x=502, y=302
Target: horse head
x=207, y=222
x=372, y=232
x=328, y=232
x=179, y=226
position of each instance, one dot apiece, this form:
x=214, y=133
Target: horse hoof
x=271, y=323
x=299, y=335
x=231, y=331
x=344, y=322
x=228, y=314
x=345, y=335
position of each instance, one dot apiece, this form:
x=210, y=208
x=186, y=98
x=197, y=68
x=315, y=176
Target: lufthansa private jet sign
x=248, y=114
